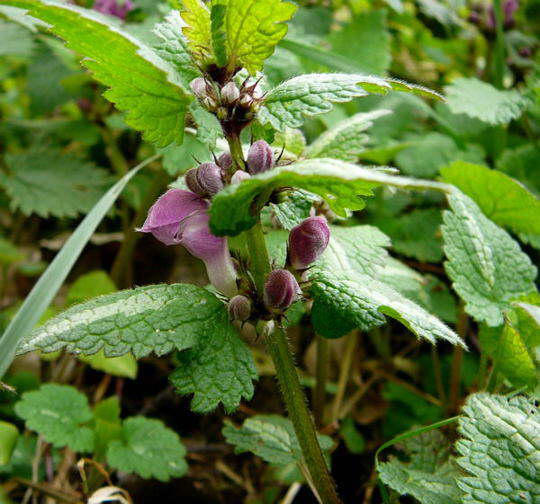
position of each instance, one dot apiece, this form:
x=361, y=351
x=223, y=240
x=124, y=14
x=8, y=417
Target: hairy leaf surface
x=486, y=265
x=500, y=450
x=140, y=82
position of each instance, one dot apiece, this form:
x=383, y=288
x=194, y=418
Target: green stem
x=498, y=64
x=258, y=255
x=319, y=396
x=300, y=416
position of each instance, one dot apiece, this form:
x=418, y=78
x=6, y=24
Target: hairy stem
x=319, y=396
x=300, y=416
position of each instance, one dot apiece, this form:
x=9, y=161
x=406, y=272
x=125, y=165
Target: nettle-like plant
x=255, y=217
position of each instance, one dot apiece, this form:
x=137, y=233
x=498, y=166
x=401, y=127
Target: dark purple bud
x=239, y=176
x=260, y=157
x=205, y=180
x=308, y=241
x=198, y=86
x=117, y=8
x=168, y=211
x=225, y=161
x=230, y=93
x=509, y=7
x=194, y=234
x=239, y=308
x=281, y=290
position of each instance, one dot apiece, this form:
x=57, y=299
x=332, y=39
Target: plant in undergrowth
x=268, y=225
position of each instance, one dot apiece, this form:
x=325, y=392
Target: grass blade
x=52, y=279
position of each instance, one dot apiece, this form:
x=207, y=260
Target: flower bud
x=194, y=234
x=260, y=157
x=198, y=86
x=239, y=176
x=168, y=211
x=205, y=180
x=116, y=8
x=239, y=308
x=281, y=290
x=308, y=241
x=225, y=161
x=230, y=93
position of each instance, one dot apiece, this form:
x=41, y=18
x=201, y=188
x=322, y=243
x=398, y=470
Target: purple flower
x=260, y=157
x=308, y=241
x=508, y=8
x=281, y=290
x=180, y=218
x=118, y=8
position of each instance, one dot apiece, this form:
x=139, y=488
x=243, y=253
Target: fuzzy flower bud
x=239, y=176
x=239, y=308
x=194, y=234
x=260, y=157
x=224, y=161
x=230, y=93
x=308, y=241
x=205, y=180
x=168, y=211
x=198, y=86
x=281, y=290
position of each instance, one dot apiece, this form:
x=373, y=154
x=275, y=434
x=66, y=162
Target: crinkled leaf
x=149, y=449
x=500, y=450
x=339, y=183
x=294, y=209
x=501, y=198
x=430, y=474
x=347, y=139
x=140, y=82
x=483, y=101
x=219, y=37
x=270, y=437
x=486, y=265
x=254, y=27
x=291, y=140
x=48, y=182
x=59, y=413
x=198, y=30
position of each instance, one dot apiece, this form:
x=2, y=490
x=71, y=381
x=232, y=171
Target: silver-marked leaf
x=500, y=449
x=347, y=139
x=233, y=210
x=486, y=265
x=140, y=82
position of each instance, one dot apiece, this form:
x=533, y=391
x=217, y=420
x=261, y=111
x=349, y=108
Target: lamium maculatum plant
x=270, y=222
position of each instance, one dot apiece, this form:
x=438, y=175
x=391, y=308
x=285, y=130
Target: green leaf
x=177, y=159
x=15, y=40
x=219, y=369
x=312, y=94
x=198, y=30
x=46, y=288
x=219, y=37
x=429, y=475
x=141, y=83
x=486, y=265
x=514, y=347
x=294, y=209
x=233, y=210
x=366, y=41
x=124, y=366
x=149, y=449
x=499, y=449
x=8, y=438
x=347, y=139
x=353, y=438
x=154, y=318
x=501, y=198
x=270, y=437
x=429, y=153
x=59, y=413
x=89, y=285
x=107, y=424
x=48, y=182
x=9, y=253
x=172, y=47
x=254, y=27
x=483, y=101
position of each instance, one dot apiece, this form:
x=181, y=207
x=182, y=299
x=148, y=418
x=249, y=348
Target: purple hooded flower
x=118, y=8
x=281, y=290
x=180, y=218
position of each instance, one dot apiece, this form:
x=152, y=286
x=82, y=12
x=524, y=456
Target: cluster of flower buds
x=483, y=15
x=180, y=217
x=117, y=8
x=307, y=242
